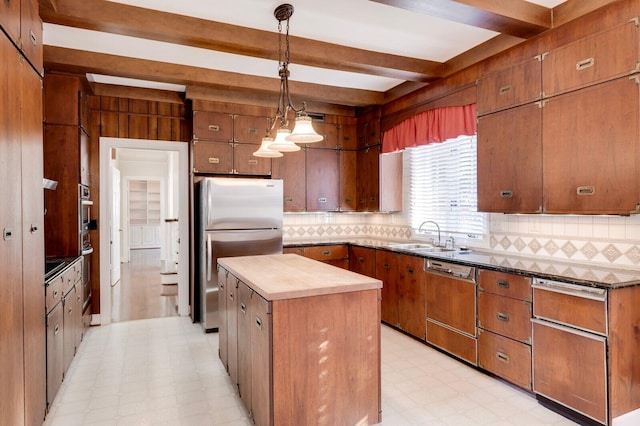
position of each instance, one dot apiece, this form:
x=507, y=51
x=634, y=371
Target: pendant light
x=303, y=131
x=265, y=149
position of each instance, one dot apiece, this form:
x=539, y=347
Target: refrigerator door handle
x=209, y=257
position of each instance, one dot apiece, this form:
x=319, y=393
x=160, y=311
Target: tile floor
x=166, y=371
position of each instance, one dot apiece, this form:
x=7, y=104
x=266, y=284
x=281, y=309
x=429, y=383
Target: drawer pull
x=502, y=317
x=505, y=89
x=258, y=322
x=502, y=283
x=506, y=194
x=326, y=253
x=56, y=330
x=322, y=200
x=253, y=162
x=243, y=308
x=231, y=296
x=214, y=160
x=252, y=131
x=221, y=286
x=502, y=357
x=33, y=38
x=55, y=293
x=386, y=266
x=586, y=190
x=410, y=271
x=214, y=127
x=585, y=63
x=361, y=259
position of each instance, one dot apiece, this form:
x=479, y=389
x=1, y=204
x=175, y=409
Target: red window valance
x=435, y=125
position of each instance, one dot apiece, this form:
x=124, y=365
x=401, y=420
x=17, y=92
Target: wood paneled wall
x=126, y=118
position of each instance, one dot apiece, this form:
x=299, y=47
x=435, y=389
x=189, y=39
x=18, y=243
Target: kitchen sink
x=433, y=250
x=411, y=246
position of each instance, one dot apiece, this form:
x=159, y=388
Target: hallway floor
x=166, y=371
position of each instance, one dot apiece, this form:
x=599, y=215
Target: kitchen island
x=301, y=339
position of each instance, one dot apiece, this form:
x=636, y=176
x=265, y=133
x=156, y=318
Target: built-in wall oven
x=85, y=225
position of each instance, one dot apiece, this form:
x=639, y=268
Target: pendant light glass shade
x=282, y=144
x=303, y=131
x=265, y=149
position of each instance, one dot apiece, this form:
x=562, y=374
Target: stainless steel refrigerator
x=234, y=217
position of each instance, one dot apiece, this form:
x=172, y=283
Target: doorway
x=175, y=195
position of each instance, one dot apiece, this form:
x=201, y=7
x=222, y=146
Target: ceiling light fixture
x=303, y=131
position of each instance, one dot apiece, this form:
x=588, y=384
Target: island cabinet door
x=261, y=361
x=412, y=301
x=222, y=313
x=245, y=323
x=232, y=327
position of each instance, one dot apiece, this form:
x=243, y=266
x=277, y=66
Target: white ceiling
x=361, y=24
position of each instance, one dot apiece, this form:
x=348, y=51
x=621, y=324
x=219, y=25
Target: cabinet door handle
x=252, y=131
x=214, y=160
x=386, y=266
x=33, y=229
x=288, y=199
x=231, y=296
x=506, y=194
x=253, y=162
x=55, y=293
x=586, y=190
x=214, y=127
x=505, y=89
x=56, y=330
x=326, y=253
x=221, y=286
x=502, y=283
x=361, y=259
x=502, y=357
x=33, y=38
x=502, y=317
x=410, y=271
x=258, y=322
x=243, y=308
x=322, y=200
x=585, y=63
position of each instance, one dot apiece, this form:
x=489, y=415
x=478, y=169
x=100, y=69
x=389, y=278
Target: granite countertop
x=287, y=276
x=575, y=273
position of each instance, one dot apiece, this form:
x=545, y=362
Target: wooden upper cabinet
x=213, y=126
x=511, y=87
x=322, y=179
x=244, y=162
x=347, y=136
x=65, y=101
x=20, y=19
x=603, y=56
x=510, y=161
x=368, y=132
x=368, y=179
x=348, y=177
x=330, y=133
x=212, y=157
x=591, y=144
x=291, y=169
x=249, y=129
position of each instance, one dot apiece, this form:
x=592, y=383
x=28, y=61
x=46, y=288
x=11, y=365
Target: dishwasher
x=451, y=309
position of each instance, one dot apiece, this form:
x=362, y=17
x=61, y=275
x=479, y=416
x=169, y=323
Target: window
x=442, y=187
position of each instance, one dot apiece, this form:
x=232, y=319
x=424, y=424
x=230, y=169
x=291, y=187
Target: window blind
x=442, y=188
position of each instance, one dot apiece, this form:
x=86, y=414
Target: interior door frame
x=106, y=144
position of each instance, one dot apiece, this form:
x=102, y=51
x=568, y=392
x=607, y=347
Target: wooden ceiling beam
x=100, y=15
x=71, y=60
x=517, y=18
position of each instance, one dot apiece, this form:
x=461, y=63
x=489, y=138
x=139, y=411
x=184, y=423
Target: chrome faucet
x=437, y=226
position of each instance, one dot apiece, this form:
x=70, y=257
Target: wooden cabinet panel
x=570, y=367
x=232, y=327
x=452, y=302
x=322, y=179
x=600, y=57
x=10, y=19
x=505, y=358
x=212, y=157
x=412, y=304
x=505, y=316
x=249, y=129
x=261, y=361
x=63, y=100
x=362, y=260
x=291, y=169
x=68, y=328
x=387, y=272
x=505, y=284
x=368, y=132
x=223, y=335
x=212, y=126
x=244, y=163
x=560, y=306
x=510, y=161
x=245, y=323
x=348, y=180
x=590, y=150
x=368, y=178
x=517, y=85
x=457, y=344
x=348, y=136
x=31, y=33
x=55, y=351
x=390, y=182
x=330, y=133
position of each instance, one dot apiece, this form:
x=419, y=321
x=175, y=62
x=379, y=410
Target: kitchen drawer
x=505, y=358
x=570, y=304
x=332, y=252
x=293, y=250
x=53, y=292
x=505, y=284
x=69, y=279
x=212, y=126
x=505, y=316
x=457, y=344
x=340, y=263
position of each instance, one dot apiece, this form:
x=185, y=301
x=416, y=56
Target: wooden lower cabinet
x=504, y=357
x=55, y=350
x=387, y=272
x=362, y=260
x=223, y=337
x=245, y=322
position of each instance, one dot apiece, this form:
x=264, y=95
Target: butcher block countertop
x=288, y=276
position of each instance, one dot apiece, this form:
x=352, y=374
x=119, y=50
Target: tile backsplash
x=604, y=240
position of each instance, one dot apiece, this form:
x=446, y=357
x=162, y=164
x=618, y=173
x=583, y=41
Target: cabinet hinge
x=635, y=20
x=635, y=77
x=541, y=56
x=233, y=116
x=541, y=103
